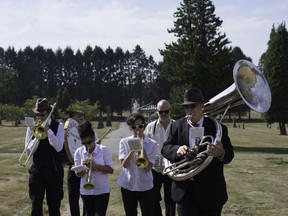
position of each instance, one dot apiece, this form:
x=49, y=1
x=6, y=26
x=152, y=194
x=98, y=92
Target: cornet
x=141, y=161
x=39, y=132
x=89, y=185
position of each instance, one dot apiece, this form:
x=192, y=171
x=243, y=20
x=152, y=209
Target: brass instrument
x=141, y=161
x=39, y=132
x=251, y=88
x=89, y=185
x=104, y=135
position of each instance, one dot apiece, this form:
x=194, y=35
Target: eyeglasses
x=137, y=126
x=163, y=111
x=40, y=114
x=87, y=142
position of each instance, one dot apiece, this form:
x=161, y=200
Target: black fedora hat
x=41, y=105
x=192, y=96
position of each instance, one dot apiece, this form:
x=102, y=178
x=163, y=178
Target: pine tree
x=276, y=72
x=201, y=56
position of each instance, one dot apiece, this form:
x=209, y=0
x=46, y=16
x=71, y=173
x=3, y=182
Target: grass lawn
x=256, y=178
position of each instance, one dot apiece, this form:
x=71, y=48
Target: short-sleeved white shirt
x=101, y=156
x=134, y=178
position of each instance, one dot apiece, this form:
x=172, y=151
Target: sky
x=127, y=23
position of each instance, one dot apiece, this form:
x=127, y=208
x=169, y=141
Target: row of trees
x=109, y=77
x=200, y=57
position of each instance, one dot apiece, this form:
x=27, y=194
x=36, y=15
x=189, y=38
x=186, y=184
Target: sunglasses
x=163, y=111
x=137, y=126
x=40, y=114
x=191, y=106
x=87, y=142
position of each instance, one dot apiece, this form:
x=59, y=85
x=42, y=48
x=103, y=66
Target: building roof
x=148, y=108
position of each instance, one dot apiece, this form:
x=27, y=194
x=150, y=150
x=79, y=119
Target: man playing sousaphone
x=205, y=193
x=46, y=172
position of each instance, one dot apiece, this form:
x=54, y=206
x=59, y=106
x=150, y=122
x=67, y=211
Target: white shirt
x=192, y=132
x=158, y=133
x=134, y=178
x=56, y=141
x=102, y=156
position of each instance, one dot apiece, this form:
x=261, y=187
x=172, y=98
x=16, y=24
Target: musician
x=46, y=172
x=73, y=181
x=136, y=182
x=159, y=130
x=95, y=200
x=205, y=193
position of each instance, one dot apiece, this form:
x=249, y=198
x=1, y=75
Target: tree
x=200, y=57
x=275, y=69
x=91, y=110
x=8, y=85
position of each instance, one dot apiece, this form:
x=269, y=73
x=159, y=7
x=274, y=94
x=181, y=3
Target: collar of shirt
x=200, y=122
x=95, y=151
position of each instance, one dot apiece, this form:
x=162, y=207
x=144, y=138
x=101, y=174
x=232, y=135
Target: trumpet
x=141, y=161
x=39, y=132
x=89, y=185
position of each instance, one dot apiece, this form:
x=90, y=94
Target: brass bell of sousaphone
x=251, y=88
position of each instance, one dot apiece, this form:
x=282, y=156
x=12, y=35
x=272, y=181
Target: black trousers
x=158, y=180
x=189, y=205
x=96, y=205
x=73, y=183
x=131, y=199
x=49, y=180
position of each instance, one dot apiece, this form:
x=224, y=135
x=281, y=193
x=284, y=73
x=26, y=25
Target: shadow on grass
x=271, y=150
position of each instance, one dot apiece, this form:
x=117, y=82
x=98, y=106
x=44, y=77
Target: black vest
x=46, y=156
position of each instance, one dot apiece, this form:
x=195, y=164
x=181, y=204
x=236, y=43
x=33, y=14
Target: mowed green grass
x=256, y=178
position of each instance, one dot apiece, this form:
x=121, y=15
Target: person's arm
x=228, y=154
x=108, y=166
x=57, y=140
x=151, y=157
x=126, y=161
x=77, y=162
x=171, y=149
x=31, y=144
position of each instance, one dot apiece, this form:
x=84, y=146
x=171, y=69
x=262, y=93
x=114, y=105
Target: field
x=256, y=178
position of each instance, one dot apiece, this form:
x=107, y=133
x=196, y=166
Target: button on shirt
x=134, y=178
x=102, y=156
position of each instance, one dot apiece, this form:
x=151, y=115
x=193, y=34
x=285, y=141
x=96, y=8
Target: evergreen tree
x=276, y=72
x=200, y=57
x=8, y=85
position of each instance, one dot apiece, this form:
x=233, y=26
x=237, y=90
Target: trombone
x=39, y=132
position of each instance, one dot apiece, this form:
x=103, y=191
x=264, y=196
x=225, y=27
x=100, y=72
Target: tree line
x=108, y=77
x=200, y=57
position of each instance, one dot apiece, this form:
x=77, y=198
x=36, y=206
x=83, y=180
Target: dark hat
x=193, y=96
x=41, y=105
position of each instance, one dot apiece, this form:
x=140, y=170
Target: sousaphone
x=251, y=88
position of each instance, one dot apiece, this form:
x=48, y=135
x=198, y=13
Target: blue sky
x=126, y=23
